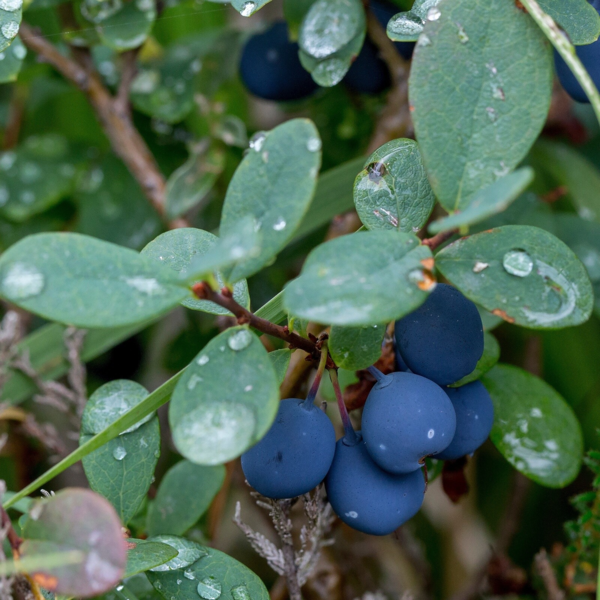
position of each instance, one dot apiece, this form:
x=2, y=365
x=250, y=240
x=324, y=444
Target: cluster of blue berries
x=374, y=478
x=270, y=67
x=589, y=55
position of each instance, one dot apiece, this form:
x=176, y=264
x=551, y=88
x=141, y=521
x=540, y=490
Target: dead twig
x=546, y=572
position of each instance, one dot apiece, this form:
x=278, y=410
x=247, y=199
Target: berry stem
x=379, y=376
x=314, y=388
x=350, y=435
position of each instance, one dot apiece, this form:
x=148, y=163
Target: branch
x=225, y=299
x=126, y=141
x=437, y=240
x=546, y=572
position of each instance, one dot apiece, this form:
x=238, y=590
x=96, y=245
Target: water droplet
x=193, y=382
x=424, y=40
x=119, y=453
x=240, y=592
x=405, y=24
x=433, y=14
x=202, y=360
x=314, y=144
x=188, y=552
x=239, y=340
x=480, y=266
x=146, y=285
x=491, y=113
x=189, y=574
x=352, y=514
x=10, y=29
x=430, y=433
x=518, y=263
x=462, y=34
x=247, y=9
x=279, y=225
x=209, y=588
x=257, y=141
x=22, y=281
x=11, y=5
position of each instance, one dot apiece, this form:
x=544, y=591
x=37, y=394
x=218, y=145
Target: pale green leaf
x=143, y=555
x=355, y=348
x=129, y=27
x=578, y=18
x=281, y=361
x=10, y=65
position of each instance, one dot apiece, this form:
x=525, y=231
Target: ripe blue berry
x=474, y=419
x=406, y=418
x=590, y=57
x=270, y=67
x=368, y=73
x=443, y=339
x=367, y=498
x=295, y=455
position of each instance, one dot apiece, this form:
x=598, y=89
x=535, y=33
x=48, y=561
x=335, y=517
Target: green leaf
x=366, y=278
x=489, y=201
x=38, y=174
x=489, y=358
x=248, y=7
x=534, y=428
x=85, y=282
x=214, y=575
x=10, y=20
x=566, y=166
x=274, y=186
x=578, y=18
x=523, y=274
x=355, y=348
x=143, y=555
x=583, y=237
x=329, y=26
x=113, y=207
x=392, y=191
x=281, y=361
x=226, y=399
x=184, y=495
x=129, y=27
x=77, y=520
x=407, y=26
x=177, y=249
x=10, y=65
x=189, y=184
x=480, y=86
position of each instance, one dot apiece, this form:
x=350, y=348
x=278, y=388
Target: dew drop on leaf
x=22, y=281
x=314, y=144
x=279, y=225
x=10, y=30
x=119, y=453
x=203, y=360
x=188, y=552
x=240, y=340
x=433, y=14
x=209, y=588
x=247, y=9
x=257, y=141
x=240, y=592
x=11, y=5
x=188, y=574
x=518, y=263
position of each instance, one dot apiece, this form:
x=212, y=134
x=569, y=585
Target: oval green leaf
x=184, y=495
x=143, y=555
x=392, y=191
x=11, y=12
x=226, y=399
x=10, y=65
x=274, y=185
x=85, y=282
x=407, y=26
x=281, y=361
x=534, y=428
x=129, y=27
x=355, y=348
x=366, y=278
x=77, y=520
x=180, y=248
x=578, y=18
x=480, y=86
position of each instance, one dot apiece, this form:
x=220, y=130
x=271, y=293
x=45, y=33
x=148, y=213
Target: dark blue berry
x=270, y=67
x=406, y=418
x=295, y=455
x=474, y=419
x=368, y=73
x=443, y=339
x=368, y=498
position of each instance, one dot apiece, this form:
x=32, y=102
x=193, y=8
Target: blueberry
x=368, y=73
x=474, y=419
x=590, y=57
x=367, y=498
x=443, y=339
x=270, y=67
x=406, y=417
x=295, y=455
x=400, y=362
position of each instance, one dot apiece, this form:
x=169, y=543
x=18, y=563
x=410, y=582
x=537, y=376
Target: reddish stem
x=439, y=239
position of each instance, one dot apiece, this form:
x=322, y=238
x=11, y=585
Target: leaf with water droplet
x=121, y=470
x=188, y=552
x=77, y=520
x=488, y=201
x=355, y=348
x=178, y=249
x=407, y=26
x=393, y=192
x=11, y=64
x=213, y=576
x=10, y=20
x=129, y=27
x=248, y=7
x=268, y=192
x=556, y=293
x=489, y=358
x=471, y=139
x=578, y=18
x=218, y=419
x=78, y=288
x=534, y=428
x=184, y=495
x=361, y=279
x=37, y=174
x=143, y=555
x=113, y=207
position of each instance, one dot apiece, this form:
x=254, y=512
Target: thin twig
x=437, y=240
x=128, y=73
x=548, y=576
